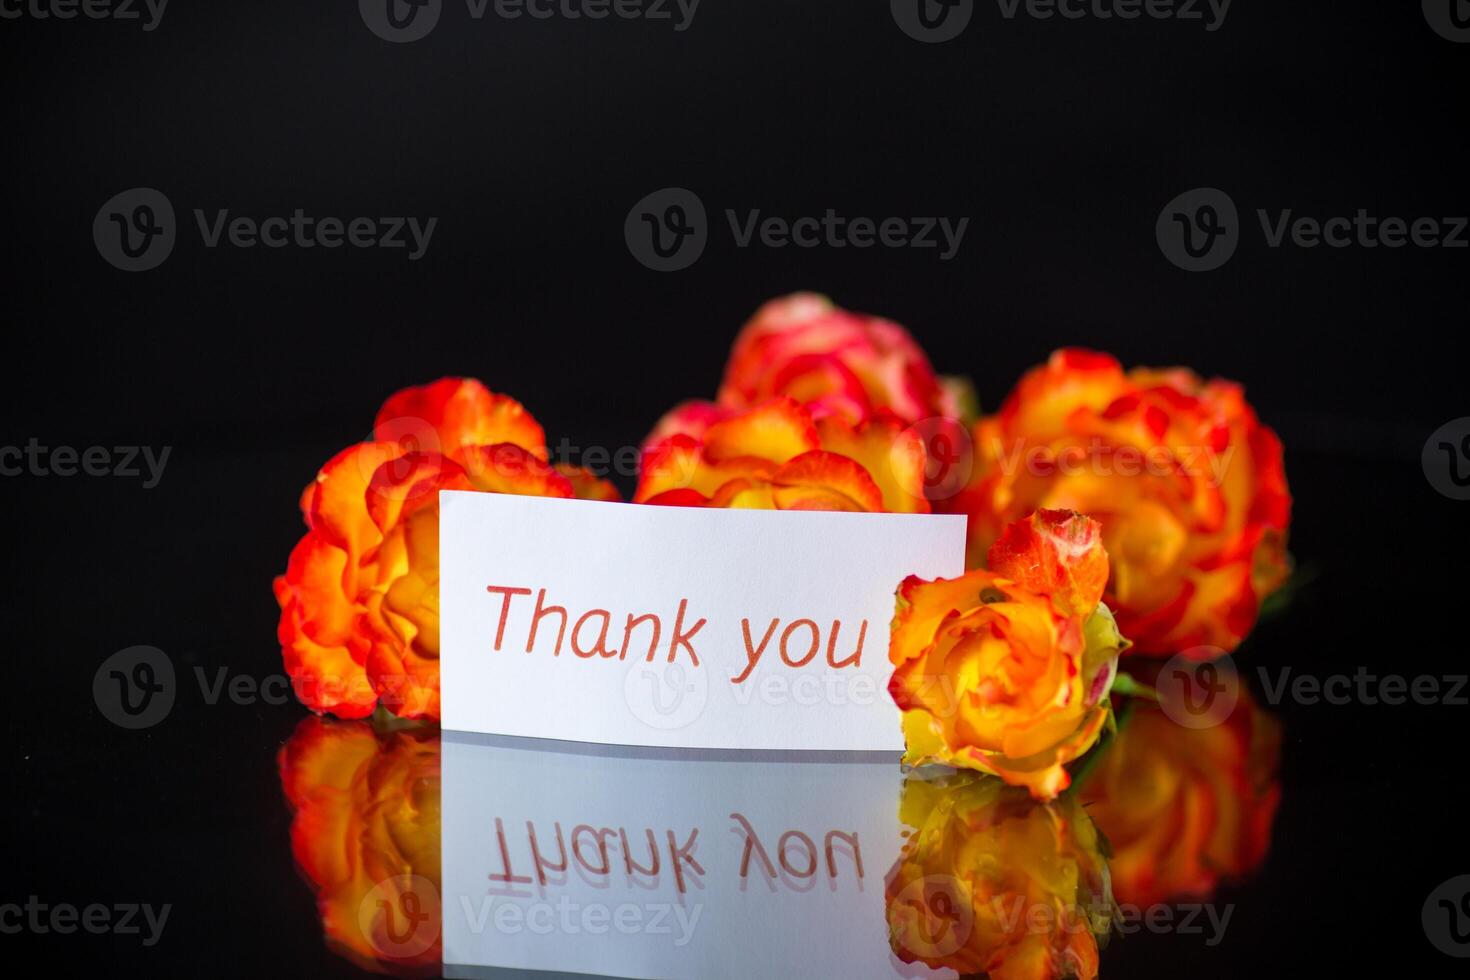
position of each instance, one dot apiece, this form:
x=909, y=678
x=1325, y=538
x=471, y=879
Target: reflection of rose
x=991, y=882
x=776, y=456
x=1187, y=483
x=360, y=598
x=1186, y=808
x=834, y=362
x=1008, y=670
x=366, y=836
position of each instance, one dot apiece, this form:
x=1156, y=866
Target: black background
x=1060, y=140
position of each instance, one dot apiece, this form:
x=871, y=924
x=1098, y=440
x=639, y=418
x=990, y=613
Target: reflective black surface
x=192, y=812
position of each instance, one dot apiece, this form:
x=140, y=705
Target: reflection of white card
x=666, y=863
x=673, y=626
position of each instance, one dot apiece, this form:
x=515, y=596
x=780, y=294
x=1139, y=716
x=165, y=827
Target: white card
x=666, y=863
x=772, y=626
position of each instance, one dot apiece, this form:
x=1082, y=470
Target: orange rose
x=1008, y=670
x=776, y=456
x=366, y=836
x=992, y=883
x=834, y=362
x=360, y=598
x=1186, y=808
x=1187, y=483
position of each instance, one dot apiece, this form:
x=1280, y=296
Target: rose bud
x=833, y=362
x=1008, y=670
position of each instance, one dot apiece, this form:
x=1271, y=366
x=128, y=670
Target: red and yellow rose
x=1188, y=484
x=993, y=883
x=836, y=363
x=778, y=456
x=1007, y=670
x=359, y=600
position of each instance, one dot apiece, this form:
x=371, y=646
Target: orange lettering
x=506, y=592
x=542, y=610
x=857, y=655
x=753, y=655
x=816, y=641
x=601, y=647
x=628, y=634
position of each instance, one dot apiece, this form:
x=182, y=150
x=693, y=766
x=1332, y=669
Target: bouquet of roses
x=1102, y=504
x=1113, y=516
